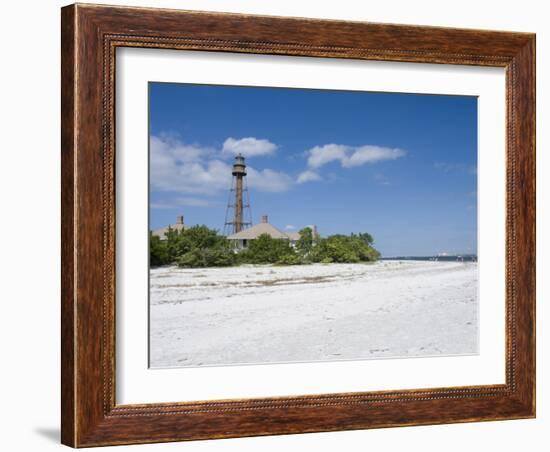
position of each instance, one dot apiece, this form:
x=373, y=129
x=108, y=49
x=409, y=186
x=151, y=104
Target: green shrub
x=266, y=250
x=197, y=246
x=200, y=246
x=158, y=252
x=305, y=242
x=290, y=259
x=207, y=257
x=344, y=249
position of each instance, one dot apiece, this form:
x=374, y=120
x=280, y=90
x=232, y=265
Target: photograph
x=300, y=225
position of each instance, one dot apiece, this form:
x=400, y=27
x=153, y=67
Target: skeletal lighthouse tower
x=238, y=215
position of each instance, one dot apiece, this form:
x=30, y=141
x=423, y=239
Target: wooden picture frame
x=90, y=36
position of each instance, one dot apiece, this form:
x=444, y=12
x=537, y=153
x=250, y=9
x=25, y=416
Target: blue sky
x=402, y=167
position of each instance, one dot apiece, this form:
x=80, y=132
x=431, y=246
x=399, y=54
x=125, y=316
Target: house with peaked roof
x=242, y=238
x=178, y=226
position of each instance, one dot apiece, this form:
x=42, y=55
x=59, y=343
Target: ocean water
x=445, y=258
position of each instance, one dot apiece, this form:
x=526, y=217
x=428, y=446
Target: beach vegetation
x=266, y=250
x=200, y=246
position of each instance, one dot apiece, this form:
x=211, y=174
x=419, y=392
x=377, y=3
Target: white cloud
x=170, y=172
x=183, y=152
x=308, y=176
x=371, y=154
x=320, y=155
x=249, y=147
x=290, y=227
x=268, y=180
x=176, y=166
x=350, y=156
x=192, y=169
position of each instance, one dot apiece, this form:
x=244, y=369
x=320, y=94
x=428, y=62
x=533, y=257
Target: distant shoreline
x=438, y=258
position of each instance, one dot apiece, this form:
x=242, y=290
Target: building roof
x=161, y=232
x=179, y=226
x=293, y=235
x=255, y=231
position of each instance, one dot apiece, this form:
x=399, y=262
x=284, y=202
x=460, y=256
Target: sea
x=438, y=258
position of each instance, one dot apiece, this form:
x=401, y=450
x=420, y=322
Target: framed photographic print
x=281, y=225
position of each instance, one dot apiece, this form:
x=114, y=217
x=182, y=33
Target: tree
x=344, y=249
x=338, y=248
x=200, y=246
x=158, y=253
x=197, y=246
x=207, y=257
x=265, y=250
x=171, y=242
x=290, y=259
x=365, y=237
x=305, y=242
x=200, y=237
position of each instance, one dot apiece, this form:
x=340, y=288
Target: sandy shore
x=260, y=314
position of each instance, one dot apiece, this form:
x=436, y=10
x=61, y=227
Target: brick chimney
x=264, y=218
x=314, y=231
x=179, y=219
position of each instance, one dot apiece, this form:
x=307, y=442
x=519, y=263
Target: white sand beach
x=264, y=314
